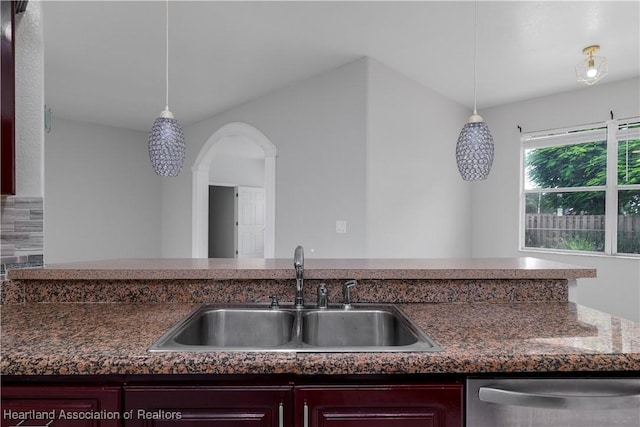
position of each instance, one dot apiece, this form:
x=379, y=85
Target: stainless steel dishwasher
x=553, y=402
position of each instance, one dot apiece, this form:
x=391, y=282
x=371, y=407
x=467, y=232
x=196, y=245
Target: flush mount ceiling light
x=592, y=68
x=166, y=139
x=474, y=150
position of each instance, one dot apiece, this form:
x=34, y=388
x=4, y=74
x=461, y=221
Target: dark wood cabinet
x=200, y=406
x=433, y=405
x=7, y=98
x=60, y=406
x=271, y=403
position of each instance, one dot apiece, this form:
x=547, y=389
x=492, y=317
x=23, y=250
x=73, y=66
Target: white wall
x=362, y=144
x=102, y=195
x=418, y=204
x=318, y=127
x=227, y=169
x=495, y=201
x=29, y=62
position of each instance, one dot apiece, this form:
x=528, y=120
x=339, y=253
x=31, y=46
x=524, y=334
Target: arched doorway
x=200, y=174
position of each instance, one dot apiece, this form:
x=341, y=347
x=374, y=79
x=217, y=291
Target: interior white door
x=250, y=222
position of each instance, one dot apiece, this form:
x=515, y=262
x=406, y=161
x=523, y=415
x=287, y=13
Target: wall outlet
x=341, y=227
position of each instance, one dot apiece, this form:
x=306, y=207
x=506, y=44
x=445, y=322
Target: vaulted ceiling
x=104, y=60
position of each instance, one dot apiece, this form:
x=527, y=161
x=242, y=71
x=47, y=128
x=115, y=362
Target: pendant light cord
x=166, y=64
x=475, y=55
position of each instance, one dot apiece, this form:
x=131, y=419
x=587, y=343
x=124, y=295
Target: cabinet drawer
x=436, y=405
x=61, y=406
x=202, y=406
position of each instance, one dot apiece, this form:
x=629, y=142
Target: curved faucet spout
x=298, y=259
x=298, y=264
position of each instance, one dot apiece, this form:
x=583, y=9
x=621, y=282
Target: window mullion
x=611, y=196
x=567, y=189
x=629, y=187
x=522, y=207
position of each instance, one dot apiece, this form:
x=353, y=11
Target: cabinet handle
x=305, y=415
x=557, y=401
x=281, y=415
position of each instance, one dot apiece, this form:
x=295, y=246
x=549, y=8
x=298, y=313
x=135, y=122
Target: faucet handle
x=274, y=302
x=346, y=297
x=323, y=298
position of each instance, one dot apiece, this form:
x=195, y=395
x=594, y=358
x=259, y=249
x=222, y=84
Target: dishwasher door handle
x=558, y=401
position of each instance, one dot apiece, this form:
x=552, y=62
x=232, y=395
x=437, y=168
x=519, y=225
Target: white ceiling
x=104, y=60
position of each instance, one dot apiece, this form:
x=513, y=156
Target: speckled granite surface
x=485, y=318
x=198, y=291
x=160, y=269
x=70, y=339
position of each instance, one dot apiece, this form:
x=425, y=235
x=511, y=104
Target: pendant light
x=474, y=150
x=166, y=139
x=593, y=68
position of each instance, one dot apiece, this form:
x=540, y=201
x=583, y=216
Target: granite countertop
x=488, y=315
x=223, y=269
x=89, y=338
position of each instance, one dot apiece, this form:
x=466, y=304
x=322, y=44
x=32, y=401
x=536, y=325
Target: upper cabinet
x=7, y=95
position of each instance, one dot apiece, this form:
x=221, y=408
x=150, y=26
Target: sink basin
x=364, y=328
x=238, y=328
x=229, y=328
x=340, y=328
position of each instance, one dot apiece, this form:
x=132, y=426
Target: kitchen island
x=92, y=323
x=488, y=315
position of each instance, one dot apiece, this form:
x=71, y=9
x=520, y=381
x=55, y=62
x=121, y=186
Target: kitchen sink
x=238, y=328
x=356, y=328
x=363, y=328
x=230, y=328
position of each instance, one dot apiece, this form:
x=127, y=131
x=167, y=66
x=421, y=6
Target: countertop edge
x=256, y=269
x=332, y=365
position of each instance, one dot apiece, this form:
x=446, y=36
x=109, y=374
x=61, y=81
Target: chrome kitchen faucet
x=346, y=297
x=298, y=264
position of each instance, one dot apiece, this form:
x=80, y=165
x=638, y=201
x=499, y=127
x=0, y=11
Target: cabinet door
x=209, y=406
x=49, y=406
x=379, y=406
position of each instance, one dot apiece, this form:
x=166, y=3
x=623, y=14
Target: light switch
x=341, y=227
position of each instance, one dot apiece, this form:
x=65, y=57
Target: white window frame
x=608, y=131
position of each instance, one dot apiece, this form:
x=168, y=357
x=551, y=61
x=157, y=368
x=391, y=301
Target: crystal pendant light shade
x=166, y=139
x=474, y=150
x=166, y=145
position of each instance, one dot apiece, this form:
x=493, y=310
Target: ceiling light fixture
x=166, y=139
x=474, y=150
x=592, y=68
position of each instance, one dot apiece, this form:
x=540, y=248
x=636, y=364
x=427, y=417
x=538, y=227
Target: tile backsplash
x=22, y=232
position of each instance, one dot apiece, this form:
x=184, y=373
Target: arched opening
x=201, y=173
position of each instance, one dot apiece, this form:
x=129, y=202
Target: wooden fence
x=553, y=231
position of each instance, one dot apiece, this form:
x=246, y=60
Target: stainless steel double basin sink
x=363, y=328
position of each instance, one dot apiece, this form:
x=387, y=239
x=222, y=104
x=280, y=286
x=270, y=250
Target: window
x=581, y=189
